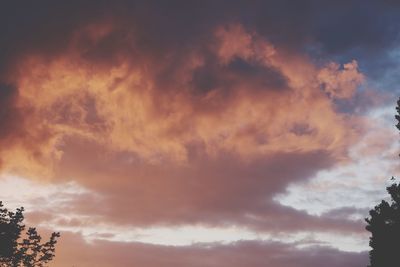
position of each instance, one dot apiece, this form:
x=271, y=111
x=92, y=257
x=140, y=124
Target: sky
x=199, y=133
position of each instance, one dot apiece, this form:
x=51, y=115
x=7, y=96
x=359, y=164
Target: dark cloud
x=33, y=27
x=339, y=27
x=9, y=116
x=356, y=25
x=213, y=76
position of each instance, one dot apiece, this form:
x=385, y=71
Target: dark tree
x=397, y=116
x=19, y=248
x=384, y=225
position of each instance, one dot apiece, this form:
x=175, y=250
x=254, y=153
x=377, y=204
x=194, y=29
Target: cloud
x=312, y=26
x=103, y=253
x=126, y=108
x=341, y=83
x=180, y=156
x=9, y=115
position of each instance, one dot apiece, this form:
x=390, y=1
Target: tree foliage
x=384, y=224
x=19, y=248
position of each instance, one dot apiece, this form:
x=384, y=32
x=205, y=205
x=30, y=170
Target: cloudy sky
x=199, y=133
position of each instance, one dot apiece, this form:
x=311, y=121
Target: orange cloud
x=208, y=135
x=123, y=108
x=341, y=83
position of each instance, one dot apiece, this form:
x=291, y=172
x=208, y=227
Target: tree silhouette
x=384, y=224
x=22, y=249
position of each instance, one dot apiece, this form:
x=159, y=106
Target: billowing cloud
x=125, y=107
x=233, y=145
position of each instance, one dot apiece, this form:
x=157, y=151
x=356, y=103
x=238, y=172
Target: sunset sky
x=204, y=133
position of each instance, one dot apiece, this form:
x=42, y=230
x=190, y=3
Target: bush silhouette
x=22, y=249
